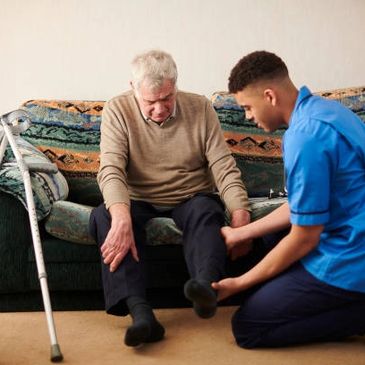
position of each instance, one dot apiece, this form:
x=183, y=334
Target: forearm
x=276, y=221
x=297, y=244
x=228, y=180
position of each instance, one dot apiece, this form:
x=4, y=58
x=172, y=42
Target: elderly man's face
x=157, y=104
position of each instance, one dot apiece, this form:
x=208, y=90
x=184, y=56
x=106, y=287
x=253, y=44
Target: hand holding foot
x=227, y=287
x=203, y=296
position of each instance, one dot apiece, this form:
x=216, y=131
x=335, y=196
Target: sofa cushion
x=69, y=221
x=47, y=188
x=68, y=132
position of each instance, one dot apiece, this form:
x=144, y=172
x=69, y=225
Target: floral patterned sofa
x=68, y=133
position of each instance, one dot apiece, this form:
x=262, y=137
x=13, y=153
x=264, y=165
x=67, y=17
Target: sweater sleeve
x=112, y=175
x=225, y=172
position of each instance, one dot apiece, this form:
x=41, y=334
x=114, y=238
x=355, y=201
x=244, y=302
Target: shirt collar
x=303, y=94
x=172, y=116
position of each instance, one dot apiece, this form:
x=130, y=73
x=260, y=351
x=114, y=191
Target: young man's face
x=259, y=105
x=157, y=104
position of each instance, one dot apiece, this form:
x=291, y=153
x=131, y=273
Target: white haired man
x=162, y=154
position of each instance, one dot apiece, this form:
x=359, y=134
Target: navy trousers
x=296, y=308
x=199, y=218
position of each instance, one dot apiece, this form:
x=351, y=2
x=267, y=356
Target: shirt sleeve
x=227, y=176
x=112, y=175
x=308, y=164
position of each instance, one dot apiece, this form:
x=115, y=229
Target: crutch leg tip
x=56, y=355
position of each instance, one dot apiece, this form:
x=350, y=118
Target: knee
x=99, y=223
x=245, y=331
x=100, y=215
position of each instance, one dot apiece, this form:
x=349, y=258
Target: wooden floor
x=93, y=337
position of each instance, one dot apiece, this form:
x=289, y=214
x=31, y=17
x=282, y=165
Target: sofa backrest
x=68, y=132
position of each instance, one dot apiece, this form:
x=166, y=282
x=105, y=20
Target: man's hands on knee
x=120, y=239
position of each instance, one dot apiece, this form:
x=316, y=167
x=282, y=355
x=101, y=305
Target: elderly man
x=162, y=154
x=311, y=285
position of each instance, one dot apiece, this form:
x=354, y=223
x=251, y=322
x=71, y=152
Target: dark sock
x=145, y=327
x=203, y=296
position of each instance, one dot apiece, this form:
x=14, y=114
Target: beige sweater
x=166, y=164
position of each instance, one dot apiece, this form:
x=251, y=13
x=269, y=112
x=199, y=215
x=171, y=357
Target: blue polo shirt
x=324, y=159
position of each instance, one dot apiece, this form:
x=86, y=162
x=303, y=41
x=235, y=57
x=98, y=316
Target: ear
x=270, y=96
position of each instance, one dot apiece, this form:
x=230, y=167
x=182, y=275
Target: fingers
x=222, y=293
x=215, y=286
x=134, y=252
x=116, y=261
x=113, y=254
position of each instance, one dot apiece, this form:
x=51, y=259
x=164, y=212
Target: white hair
x=155, y=67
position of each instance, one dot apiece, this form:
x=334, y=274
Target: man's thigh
x=201, y=208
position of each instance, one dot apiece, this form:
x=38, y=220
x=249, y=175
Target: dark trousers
x=199, y=218
x=296, y=308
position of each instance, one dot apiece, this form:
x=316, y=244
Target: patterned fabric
x=353, y=98
x=47, y=188
x=69, y=221
x=68, y=133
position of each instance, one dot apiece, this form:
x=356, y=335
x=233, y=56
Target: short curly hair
x=254, y=67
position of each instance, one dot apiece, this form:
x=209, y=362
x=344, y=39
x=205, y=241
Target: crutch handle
x=18, y=115
x=42, y=167
x=8, y=118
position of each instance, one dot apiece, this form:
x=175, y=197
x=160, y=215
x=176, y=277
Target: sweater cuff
x=237, y=201
x=115, y=192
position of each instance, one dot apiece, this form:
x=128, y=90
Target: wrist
x=120, y=212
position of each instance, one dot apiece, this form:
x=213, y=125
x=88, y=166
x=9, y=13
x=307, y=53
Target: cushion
x=68, y=132
x=70, y=221
x=47, y=188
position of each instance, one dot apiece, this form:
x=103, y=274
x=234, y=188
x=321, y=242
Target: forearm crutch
x=12, y=124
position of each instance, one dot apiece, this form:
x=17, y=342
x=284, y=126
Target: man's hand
x=239, y=218
x=120, y=239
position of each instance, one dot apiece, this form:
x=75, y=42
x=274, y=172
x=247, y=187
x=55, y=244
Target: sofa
x=68, y=134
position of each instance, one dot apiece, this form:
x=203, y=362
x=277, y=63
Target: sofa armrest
x=15, y=239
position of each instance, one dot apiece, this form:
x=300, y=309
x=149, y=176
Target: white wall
x=81, y=49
